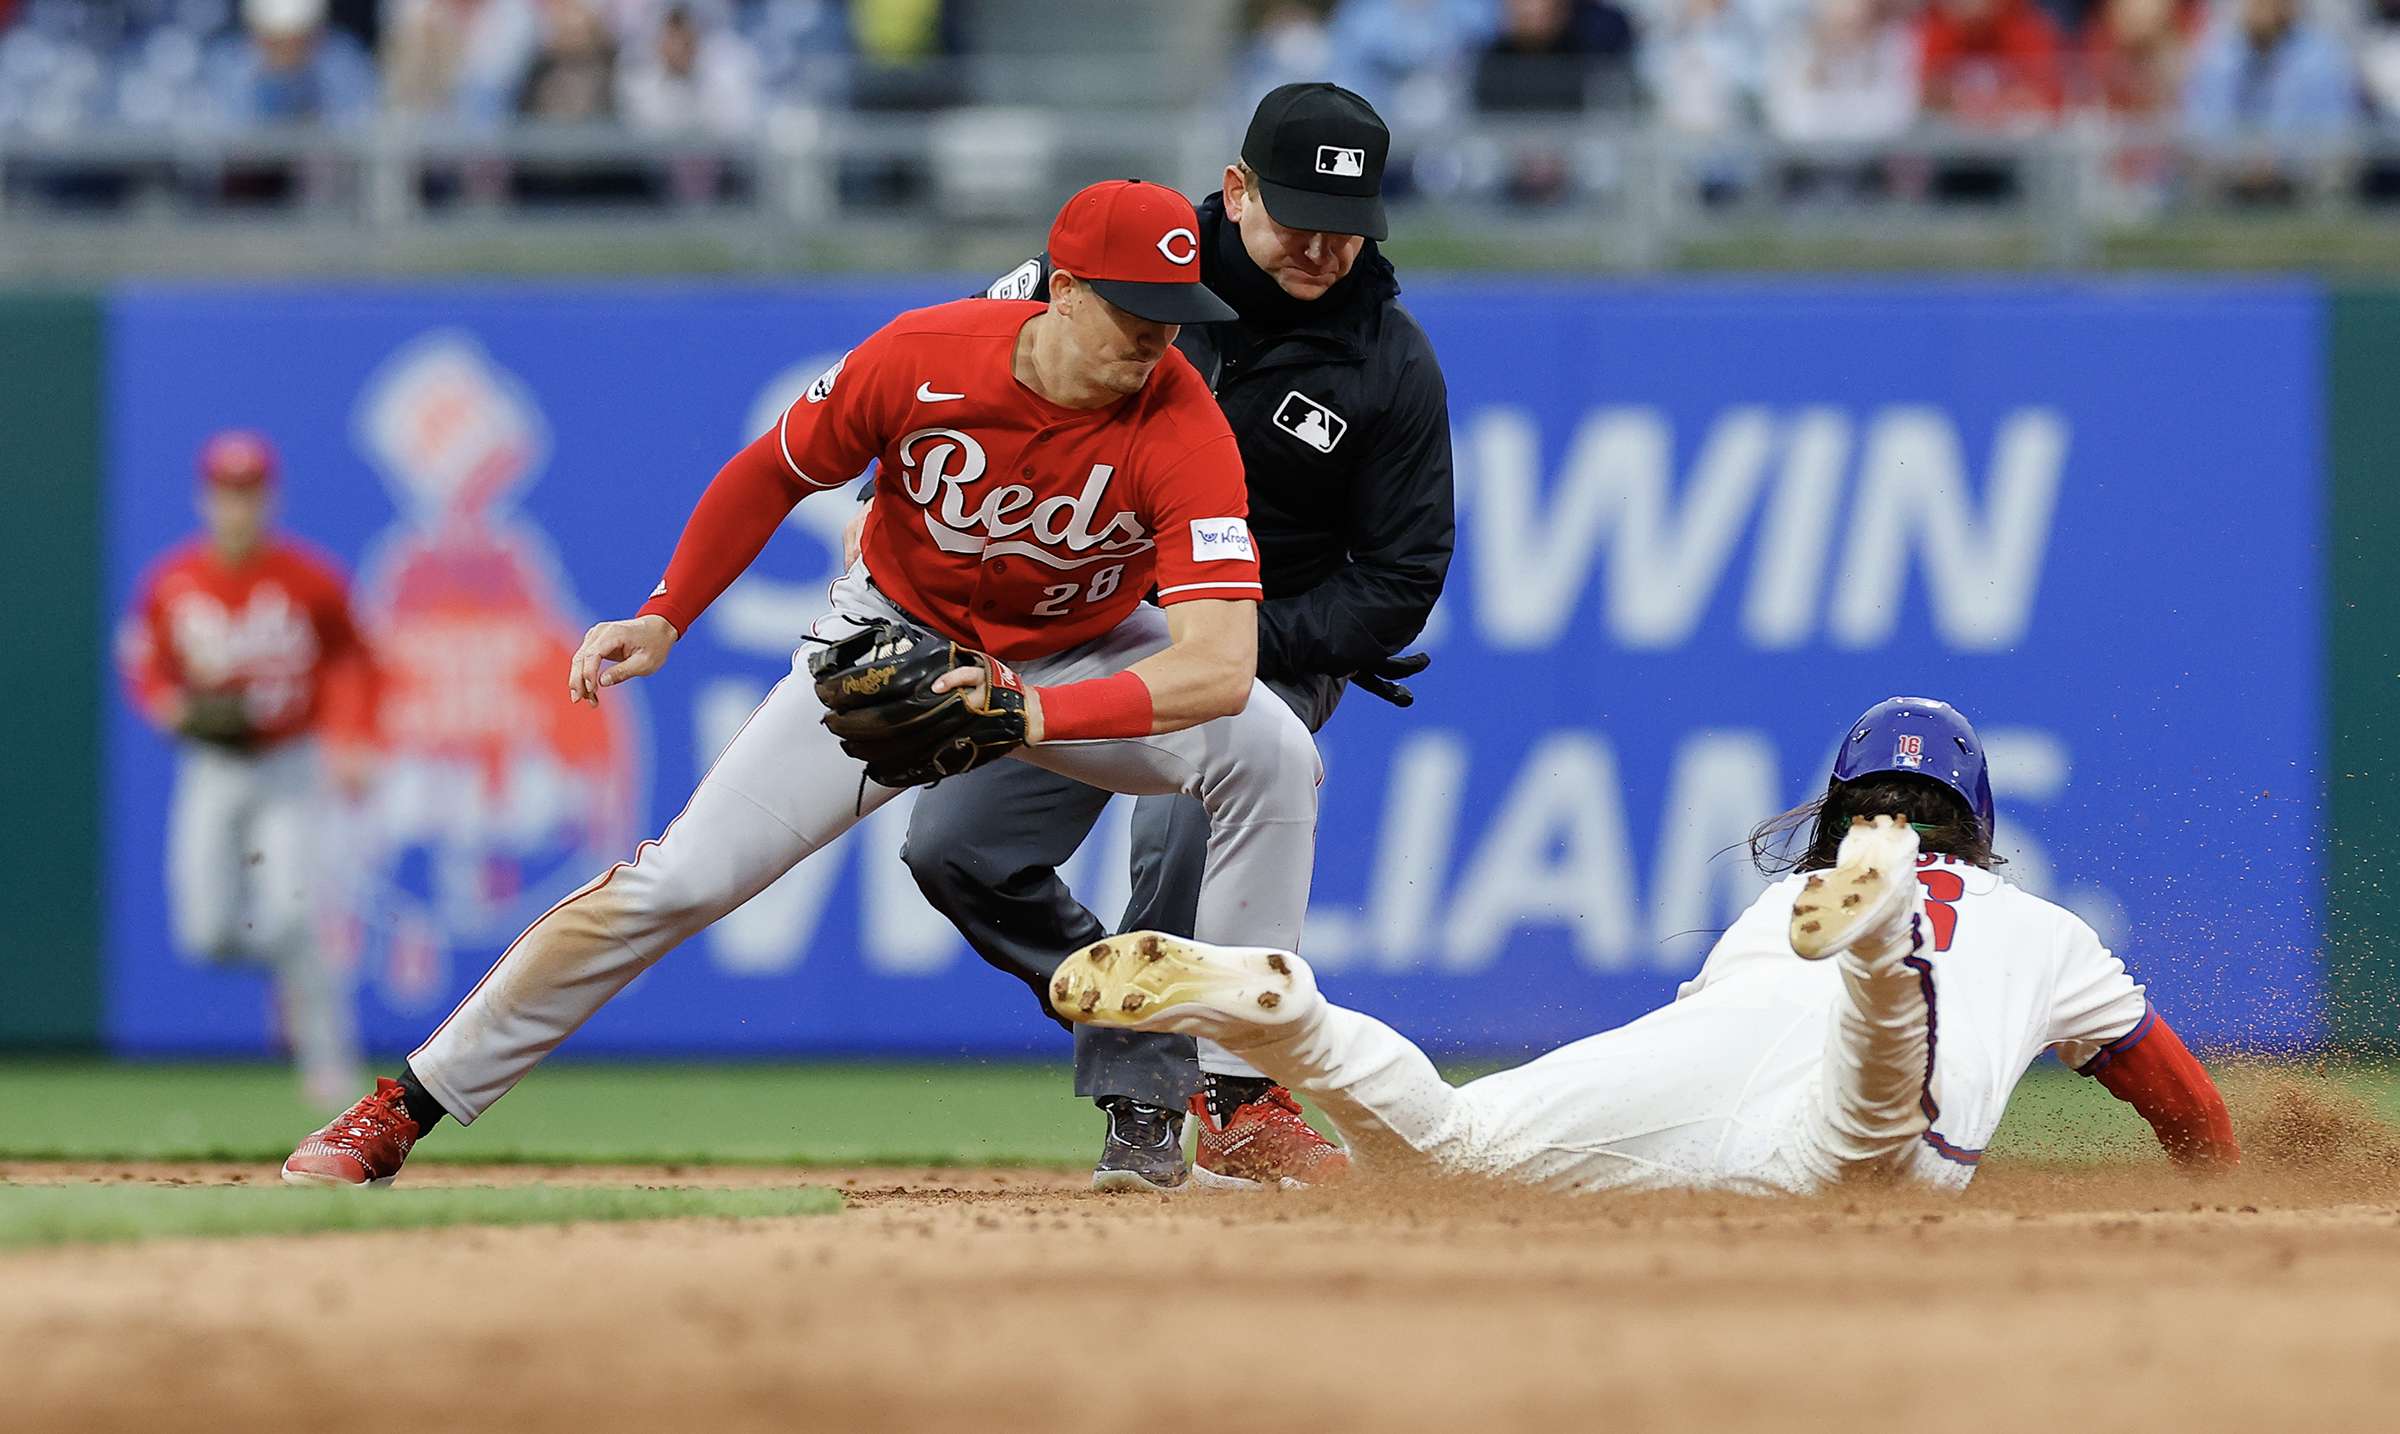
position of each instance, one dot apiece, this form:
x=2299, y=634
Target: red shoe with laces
x=363, y=1146
x=1265, y=1142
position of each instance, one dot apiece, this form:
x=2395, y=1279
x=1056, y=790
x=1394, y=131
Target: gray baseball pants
x=245, y=840
x=985, y=849
x=784, y=788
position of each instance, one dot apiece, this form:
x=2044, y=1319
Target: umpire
x=1334, y=395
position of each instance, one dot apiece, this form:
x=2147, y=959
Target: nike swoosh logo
x=925, y=394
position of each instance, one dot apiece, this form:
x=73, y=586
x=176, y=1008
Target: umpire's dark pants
x=985, y=849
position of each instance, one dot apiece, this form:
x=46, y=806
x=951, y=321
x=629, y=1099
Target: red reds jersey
x=1011, y=523
x=276, y=630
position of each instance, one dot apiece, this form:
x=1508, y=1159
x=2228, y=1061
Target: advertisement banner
x=1702, y=525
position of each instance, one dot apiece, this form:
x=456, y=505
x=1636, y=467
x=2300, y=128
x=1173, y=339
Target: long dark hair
x=1916, y=798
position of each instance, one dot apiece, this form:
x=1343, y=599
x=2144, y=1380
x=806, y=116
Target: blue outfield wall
x=1702, y=525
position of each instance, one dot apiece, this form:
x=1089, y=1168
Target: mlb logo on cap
x=1318, y=151
x=1909, y=751
x=1342, y=163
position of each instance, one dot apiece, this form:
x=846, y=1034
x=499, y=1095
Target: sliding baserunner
x=1867, y=1016
x=1044, y=465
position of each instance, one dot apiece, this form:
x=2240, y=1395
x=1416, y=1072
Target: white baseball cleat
x=1150, y=981
x=1868, y=894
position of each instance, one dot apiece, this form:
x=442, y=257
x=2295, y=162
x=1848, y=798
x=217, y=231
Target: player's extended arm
x=154, y=679
x=1202, y=674
x=1205, y=671
x=750, y=495
x=2150, y=1069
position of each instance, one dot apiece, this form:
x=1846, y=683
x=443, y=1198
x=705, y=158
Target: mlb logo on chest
x=1310, y=421
x=1910, y=752
x=1341, y=163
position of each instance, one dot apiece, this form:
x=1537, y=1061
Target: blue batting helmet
x=1920, y=735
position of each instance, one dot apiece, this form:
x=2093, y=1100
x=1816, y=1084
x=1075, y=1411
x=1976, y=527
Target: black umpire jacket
x=1344, y=427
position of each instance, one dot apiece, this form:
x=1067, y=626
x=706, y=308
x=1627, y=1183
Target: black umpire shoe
x=1144, y=1150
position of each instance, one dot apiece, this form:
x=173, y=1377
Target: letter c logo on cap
x=1191, y=246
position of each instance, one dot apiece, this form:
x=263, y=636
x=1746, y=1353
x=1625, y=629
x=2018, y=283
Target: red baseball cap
x=238, y=459
x=1138, y=246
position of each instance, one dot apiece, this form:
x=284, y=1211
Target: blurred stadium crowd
x=1804, y=69
x=2272, y=100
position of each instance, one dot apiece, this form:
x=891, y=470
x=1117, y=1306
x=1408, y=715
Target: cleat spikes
x=1152, y=981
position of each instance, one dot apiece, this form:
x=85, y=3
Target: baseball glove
x=218, y=718
x=877, y=687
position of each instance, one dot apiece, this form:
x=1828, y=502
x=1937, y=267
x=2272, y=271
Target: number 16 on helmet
x=1920, y=735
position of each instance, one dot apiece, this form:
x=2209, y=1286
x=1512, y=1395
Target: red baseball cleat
x=1267, y=1142
x=363, y=1146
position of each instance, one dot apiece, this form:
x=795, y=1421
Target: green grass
x=56, y=1214
x=2056, y=1116
x=572, y=1112
x=798, y=1115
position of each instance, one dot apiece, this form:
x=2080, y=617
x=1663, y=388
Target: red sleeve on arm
x=1204, y=544
x=145, y=657
x=732, y=521
x=823, y=440
x=2150, y=1069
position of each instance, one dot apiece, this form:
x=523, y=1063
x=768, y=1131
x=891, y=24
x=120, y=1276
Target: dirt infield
x=1009, y=1300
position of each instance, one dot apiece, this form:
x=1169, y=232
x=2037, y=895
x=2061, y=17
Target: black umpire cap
x=1318, y=151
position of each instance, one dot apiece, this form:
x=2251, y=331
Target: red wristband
x=1116, y=706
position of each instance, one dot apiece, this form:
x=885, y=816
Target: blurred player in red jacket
x=239, y=644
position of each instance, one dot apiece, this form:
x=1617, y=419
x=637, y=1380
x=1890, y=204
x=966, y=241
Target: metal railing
x=1620, y=191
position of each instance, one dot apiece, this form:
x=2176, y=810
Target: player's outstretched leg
x=1238, y=996
x=1380, y=1090
x=1868, y=896
x=1876, y=1096
x=782, y=790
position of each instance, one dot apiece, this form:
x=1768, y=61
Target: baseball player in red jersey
x=1044, y=465
x=240, y=644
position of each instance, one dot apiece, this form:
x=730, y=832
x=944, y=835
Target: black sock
x=1229, y=1093
x=418, y=1102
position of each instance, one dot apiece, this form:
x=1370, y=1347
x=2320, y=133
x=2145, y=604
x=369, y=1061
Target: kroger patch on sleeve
x=1216, y=539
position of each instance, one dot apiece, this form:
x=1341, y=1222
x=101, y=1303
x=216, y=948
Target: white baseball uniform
x=1767, y=1073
